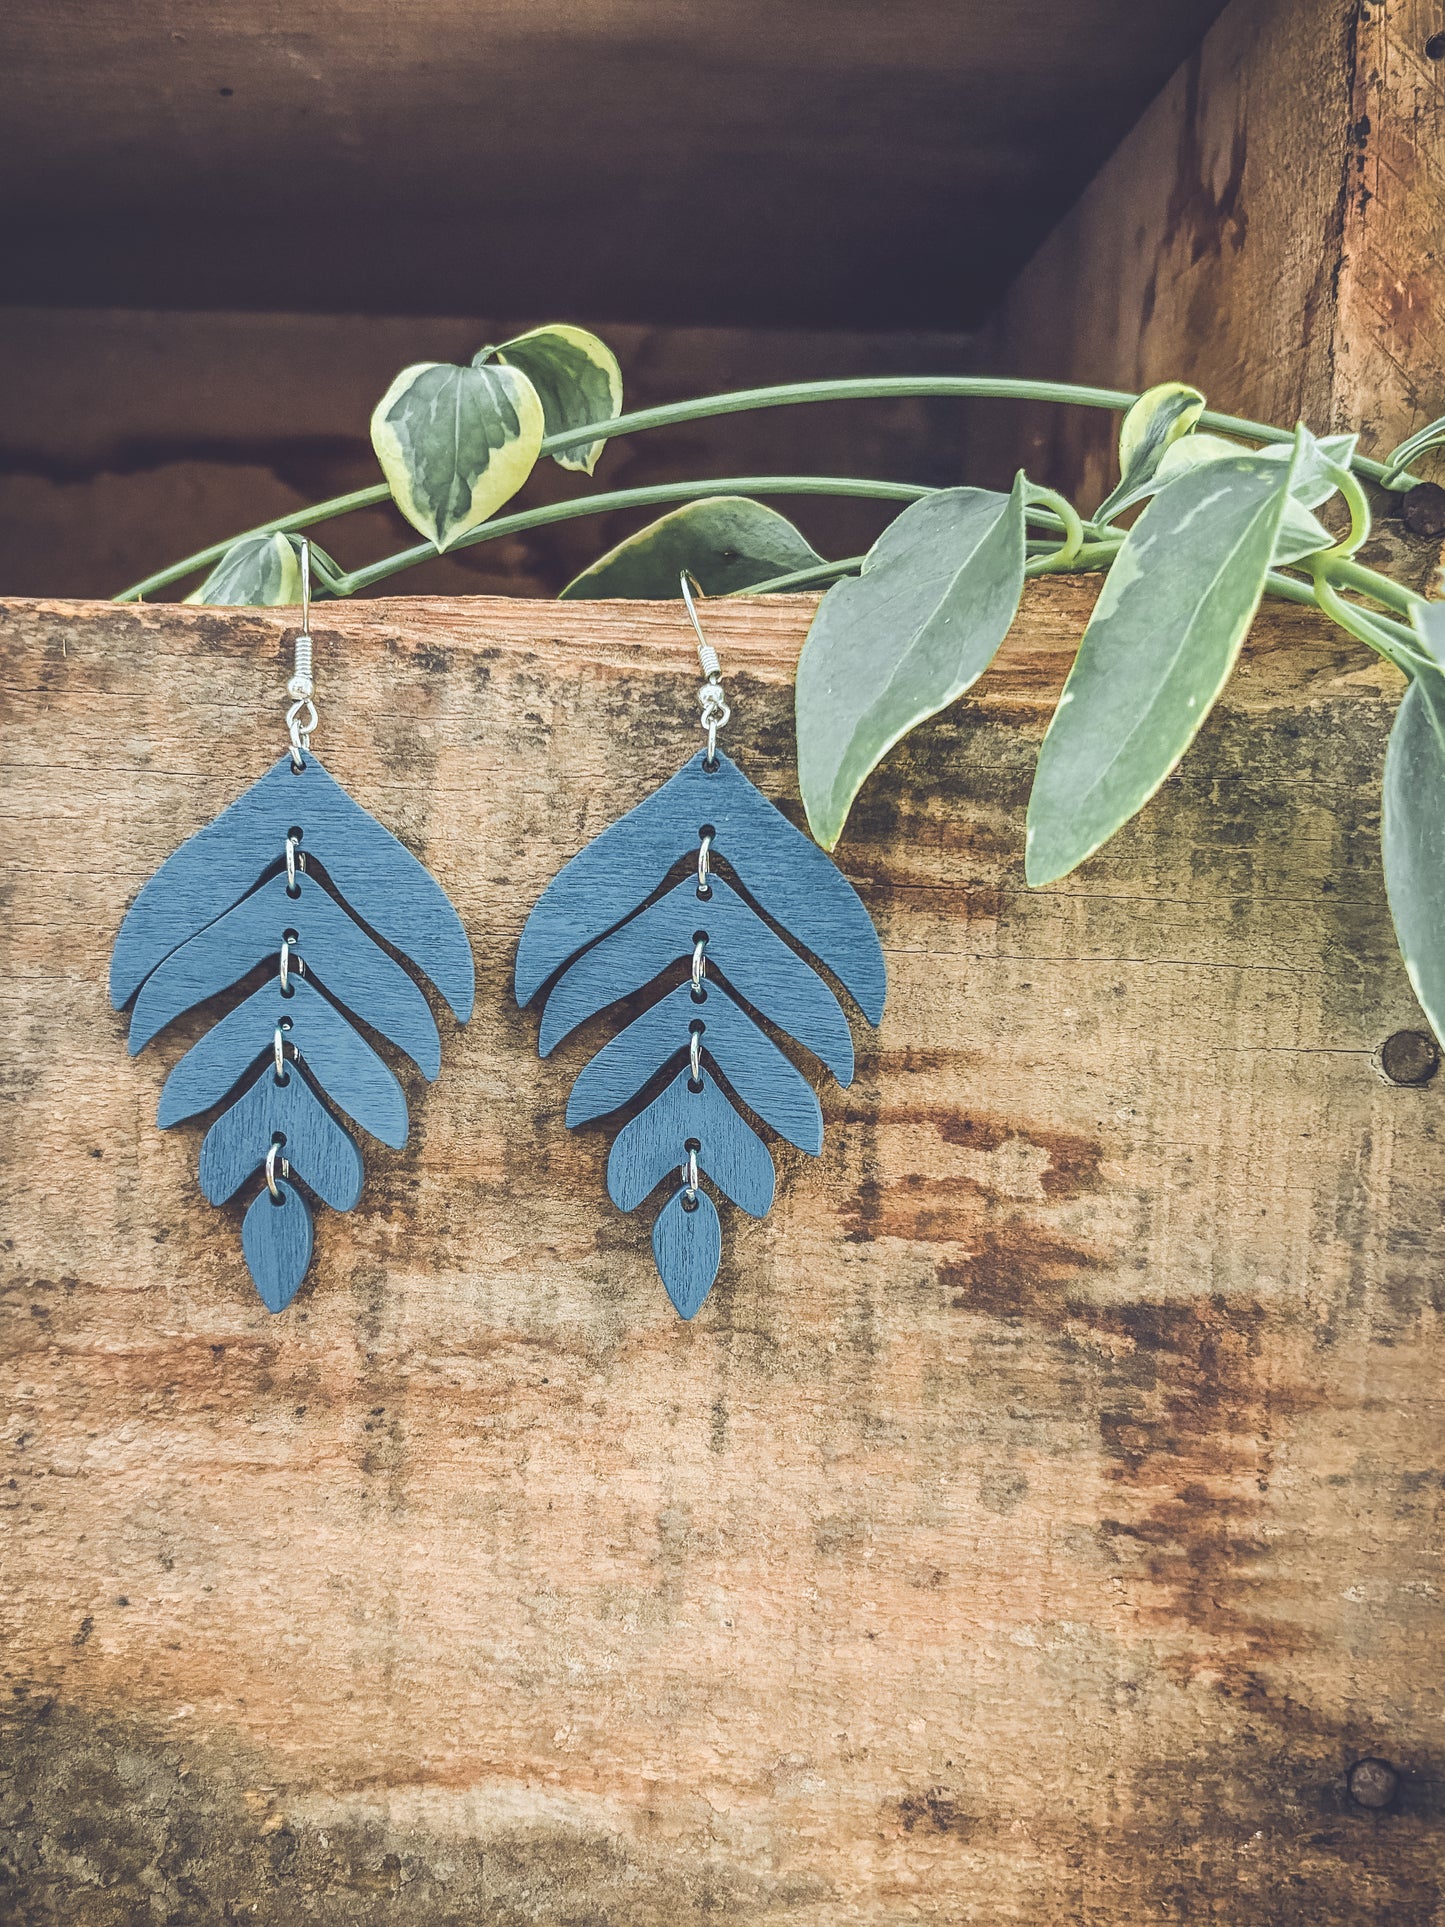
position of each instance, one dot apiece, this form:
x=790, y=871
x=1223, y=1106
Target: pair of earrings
x=296, y=885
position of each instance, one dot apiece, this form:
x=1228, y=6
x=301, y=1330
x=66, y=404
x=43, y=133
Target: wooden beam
x=1035, y=1524
x=1270, y=230
x=735, y=163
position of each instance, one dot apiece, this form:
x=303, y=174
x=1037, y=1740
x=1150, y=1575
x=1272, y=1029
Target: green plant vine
x=1224, y=513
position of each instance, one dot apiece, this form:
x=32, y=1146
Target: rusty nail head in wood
x=1410, y=1057
x=1372, y=1783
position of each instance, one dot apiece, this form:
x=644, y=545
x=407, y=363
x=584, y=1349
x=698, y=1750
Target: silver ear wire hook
x=715, y=710
x=301, y=716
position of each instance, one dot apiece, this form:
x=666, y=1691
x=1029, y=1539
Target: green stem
x=1388, y=639
x=884, y=387
x=1089, y=557
x=634, y=498
x=1379, y=588
x=1073, y=528
x=802, y=578
x=361, y=498
x=1359, y=530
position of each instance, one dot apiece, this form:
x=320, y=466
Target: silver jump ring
x=691, y=1169
x=694, y=1055
x=286, y=966
x=273, y=1156
x=295, y=859
x=280, y=1049
x=300, y=721
x=704, y=851
x=699, y=964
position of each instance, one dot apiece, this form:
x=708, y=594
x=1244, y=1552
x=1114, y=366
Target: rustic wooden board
x=1270, y=229
x=1037, y=1522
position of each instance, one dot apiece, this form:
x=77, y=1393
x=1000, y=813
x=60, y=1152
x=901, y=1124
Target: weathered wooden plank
x=1037, y=1521
x=1270, y=229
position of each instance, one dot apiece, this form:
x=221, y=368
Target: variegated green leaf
x=1412, y=831
x=726, y=543
x=1159, y=646
x=1316, y=479
x=455, y=443
x=263, y=572
x=1159, y=418
x=903, y=639
x=577, y=380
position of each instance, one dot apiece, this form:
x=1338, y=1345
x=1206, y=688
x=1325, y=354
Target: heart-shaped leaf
x=1158, y=649
x=1412, y=831
x=262, y=572
x=903, y=639
x=1159, y=418
x=577, y=380
x=726, y=543
x=455, y=443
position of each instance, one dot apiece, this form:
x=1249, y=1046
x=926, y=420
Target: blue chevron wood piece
x=754, y=960
x=378, y=876
x=333, y=946
x=770, y=1084
x=782, y=869
x=340, y=1059
x=276, y=1237
x=321, y=1152
x=687, y=1246
x=654, y=1146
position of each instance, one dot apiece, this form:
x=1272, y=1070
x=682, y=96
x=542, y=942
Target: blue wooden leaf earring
x=296, y=875
x=605, y=926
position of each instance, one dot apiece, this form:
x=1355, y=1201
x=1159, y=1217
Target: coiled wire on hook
x=714, y=704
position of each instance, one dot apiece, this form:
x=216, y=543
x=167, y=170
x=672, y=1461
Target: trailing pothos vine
x=1227, y=514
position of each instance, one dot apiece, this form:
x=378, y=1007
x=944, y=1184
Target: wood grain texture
x=1037, y=1521
x=1269, y=230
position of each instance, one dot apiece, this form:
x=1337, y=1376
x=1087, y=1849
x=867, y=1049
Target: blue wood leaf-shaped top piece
x=655, y=1143
x=770, y=1084
x=330, y=945
x=343, y=1063
x=784, y=870
x=375, y=873
x=748, y=952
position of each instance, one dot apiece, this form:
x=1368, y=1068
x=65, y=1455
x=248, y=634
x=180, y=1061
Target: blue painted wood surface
x=333, y=946
x=653, y=1145
x=744, y=949
x=781, y=869
x=276, y=1238
x=321, y=1152
x=338, y=1057
x=378, y=876
x=687, y=1246
x=769, y=1083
